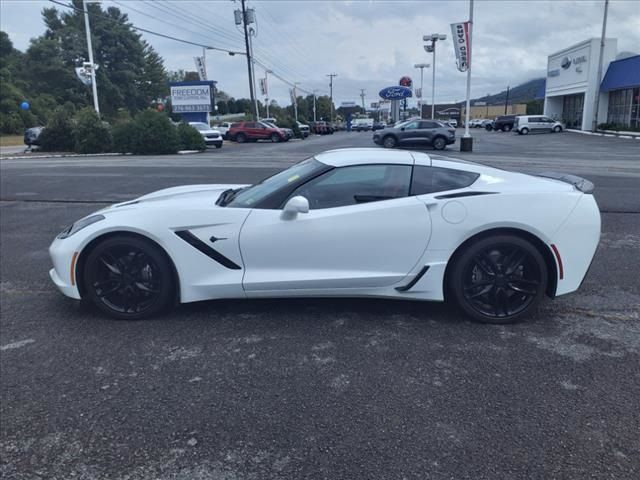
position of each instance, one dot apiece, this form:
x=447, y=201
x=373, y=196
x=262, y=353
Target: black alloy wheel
x=241, y=138
x=439, y=143
x=389, y=142
x=128, y=278
x=499, y=279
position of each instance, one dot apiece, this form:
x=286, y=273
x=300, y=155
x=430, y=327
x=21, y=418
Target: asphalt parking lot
x=322, y=388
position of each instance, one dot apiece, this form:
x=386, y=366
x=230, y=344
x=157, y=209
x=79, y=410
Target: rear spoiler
x=580, y=183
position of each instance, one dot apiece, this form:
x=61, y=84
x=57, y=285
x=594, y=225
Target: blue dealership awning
x=624, y=73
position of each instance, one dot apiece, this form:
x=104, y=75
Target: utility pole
x=252, y=33
x=295, y=101
x=362, y=97
x=331, y=75
x=594, y=124
x=246, y=17
x=266, y=89
x=94, y=87
x=506, y=101
x=314, y=106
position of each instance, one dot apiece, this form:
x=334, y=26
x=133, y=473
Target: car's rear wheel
x=218, y=145
x=506, y=128
x=128, y=278
x=241, y=138
x=557, y=129
x=389, y=142
x=498, y=279
x=275, y=137
x=524, y=131
x=488, y=128
x=439, y=143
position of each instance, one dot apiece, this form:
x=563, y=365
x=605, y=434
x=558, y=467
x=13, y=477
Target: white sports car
x=351, y=222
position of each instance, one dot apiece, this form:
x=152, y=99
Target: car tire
x=218, y=145
x=128, y=278
x=488, y=128
x=439, y=143
x=524, y=131
x=498, y=279
x=557, y=129
x=241, y=138
x=275, y=137
x=506, y=128
x=389, y=141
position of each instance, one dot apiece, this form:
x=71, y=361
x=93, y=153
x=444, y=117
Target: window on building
x=619, y=112
x=635, y=108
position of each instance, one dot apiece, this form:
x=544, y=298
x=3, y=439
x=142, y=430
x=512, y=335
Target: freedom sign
x=462, y=45
x=191, y=98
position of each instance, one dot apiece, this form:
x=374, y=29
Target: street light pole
x=94, y=87
x=466, y=144
x=594, y=124
x=421, y=66
x=434, y=37
x=295, y=101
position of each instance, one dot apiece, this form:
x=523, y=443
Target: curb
x=71, y=155
x=605, y=133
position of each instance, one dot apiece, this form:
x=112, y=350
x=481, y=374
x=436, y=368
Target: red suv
x=252, y=131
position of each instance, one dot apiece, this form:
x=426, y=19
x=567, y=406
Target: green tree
x=90, y=134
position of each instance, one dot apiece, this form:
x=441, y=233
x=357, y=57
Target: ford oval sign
x=395, y=93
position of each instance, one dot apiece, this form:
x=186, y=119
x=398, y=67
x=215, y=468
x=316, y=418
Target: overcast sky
x=369, y=44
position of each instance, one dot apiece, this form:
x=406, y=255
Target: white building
x=572, y=83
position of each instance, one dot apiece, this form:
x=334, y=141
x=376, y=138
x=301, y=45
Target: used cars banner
x=461, y=45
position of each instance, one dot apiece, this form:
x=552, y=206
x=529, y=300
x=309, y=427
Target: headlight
x=79, y=225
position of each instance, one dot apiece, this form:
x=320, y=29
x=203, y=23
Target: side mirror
x=402, y=129
x=293, y=207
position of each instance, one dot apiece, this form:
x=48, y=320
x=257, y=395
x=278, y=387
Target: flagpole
x=466, y=144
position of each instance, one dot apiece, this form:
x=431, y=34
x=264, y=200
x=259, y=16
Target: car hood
x=183, y=194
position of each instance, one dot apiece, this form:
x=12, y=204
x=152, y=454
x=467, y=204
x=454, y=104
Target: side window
x=435, y=179
x=250, y=125
x=356, y=184
x=429, y=125
x=411, y=126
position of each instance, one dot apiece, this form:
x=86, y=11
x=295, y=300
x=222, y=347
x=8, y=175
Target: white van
x=524, y=124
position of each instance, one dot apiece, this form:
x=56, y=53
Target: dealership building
x=572, y=85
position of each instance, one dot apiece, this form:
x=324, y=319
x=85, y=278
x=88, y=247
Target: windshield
x=267, y=124
x=200, y=126
x=295, y=174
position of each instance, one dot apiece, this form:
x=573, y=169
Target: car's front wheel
x=128, y=278
x=275, y=137
x=241, y=138
x=506, y=128
x=498, y=279
x=524, y=131
x=557, y=129
x=389, y=141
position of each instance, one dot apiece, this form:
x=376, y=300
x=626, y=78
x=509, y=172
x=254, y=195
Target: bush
x=91, y=135
x=58, y=133
x=122, y=137
x=190, y=138
x=152, y=133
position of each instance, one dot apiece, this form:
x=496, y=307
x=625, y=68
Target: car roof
x=357, y=156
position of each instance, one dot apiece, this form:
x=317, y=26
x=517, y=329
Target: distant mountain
x=519, y=94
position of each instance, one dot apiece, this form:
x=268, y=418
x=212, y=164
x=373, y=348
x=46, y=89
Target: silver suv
x=536, y=123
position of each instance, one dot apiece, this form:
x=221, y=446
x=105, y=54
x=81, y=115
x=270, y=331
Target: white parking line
x=21, y=343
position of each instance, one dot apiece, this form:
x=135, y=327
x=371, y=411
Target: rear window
x=435, y=179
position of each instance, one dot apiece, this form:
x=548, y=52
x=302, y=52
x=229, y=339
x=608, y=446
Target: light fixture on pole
x=421, y=66
x=94, y=87
x=433, y=38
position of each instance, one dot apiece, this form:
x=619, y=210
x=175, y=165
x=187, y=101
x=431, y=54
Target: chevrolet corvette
x=349, y=223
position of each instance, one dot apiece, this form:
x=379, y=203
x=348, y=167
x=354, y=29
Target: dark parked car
x=416, y=132
x=31, y=136
x=379, y=126
x=253, y=131
x=504, y=123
